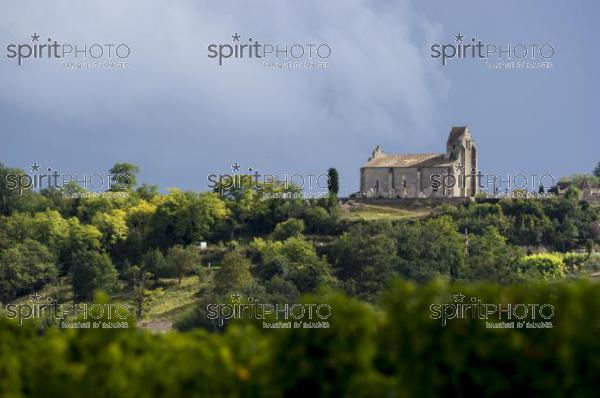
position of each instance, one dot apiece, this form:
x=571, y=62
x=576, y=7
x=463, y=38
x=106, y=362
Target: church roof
x=585, y=184
x=410, y=160
x=456, y=133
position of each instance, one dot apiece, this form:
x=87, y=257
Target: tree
x=81, y=238
x=589, y=248
x=9, y=193
x=140, y=216
x=288, y=229
x=155, y=263
x=147, y=192
x=182, y=260
x=24, y=268
x=112, y=226
x=319, y=220
x=50, y=229
x=16, y=193
x=137, y=279
x=123, y=176
x=573, y=193
x=186, y=217
x=364, y=261
x=597, y=170
x=490, y=258
x=431, y=249
x=567, y=234
x=92, y=270
x=546, y=265
x=295, y=260
x=233, y=274
x=333, y=183
x=529, y=223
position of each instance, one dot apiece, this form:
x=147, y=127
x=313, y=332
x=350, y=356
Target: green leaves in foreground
x=398, y=351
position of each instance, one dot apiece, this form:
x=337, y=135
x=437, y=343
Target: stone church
x=415, y=176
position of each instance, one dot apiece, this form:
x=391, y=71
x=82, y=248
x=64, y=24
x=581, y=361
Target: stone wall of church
x=464, y=151
x=403, y=182
x=415, y=182
x=427, y=185
x=406, y=181
x=375, y=182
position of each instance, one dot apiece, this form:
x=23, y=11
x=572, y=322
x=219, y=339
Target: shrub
x=398, y=351
x=288, y=229
x=546, y=265
x=574, y=261
x=91, y=271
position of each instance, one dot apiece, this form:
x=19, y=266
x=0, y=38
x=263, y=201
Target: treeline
x=362, y=261
x=275, y=249
x=396, y=351
x=142, y=237
x=557, y=224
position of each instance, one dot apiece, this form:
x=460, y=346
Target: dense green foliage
x=284, y=250
x=25, y=267
x=292, y=245
x=560, y=224
x=288, y=229
x=398, y=351
x=543, y=265
x=91, y=272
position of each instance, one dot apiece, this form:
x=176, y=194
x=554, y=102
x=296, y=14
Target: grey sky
x=180, y=116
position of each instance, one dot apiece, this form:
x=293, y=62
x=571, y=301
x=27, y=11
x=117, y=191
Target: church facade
x=429, y=175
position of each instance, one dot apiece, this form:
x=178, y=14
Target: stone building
x=589, y=193
x=425, y=175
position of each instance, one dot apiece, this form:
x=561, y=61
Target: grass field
x=171, y=299
x=378, y=212
x=164, y=304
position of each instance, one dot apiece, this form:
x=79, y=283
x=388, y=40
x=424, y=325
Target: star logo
x=236, y=37
x=459, y=37
x=236, y=297
x=35, y=298
x=35, y=167
x=235, y=167
x=459, y=167
x=459, y=298
x=35, y=37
